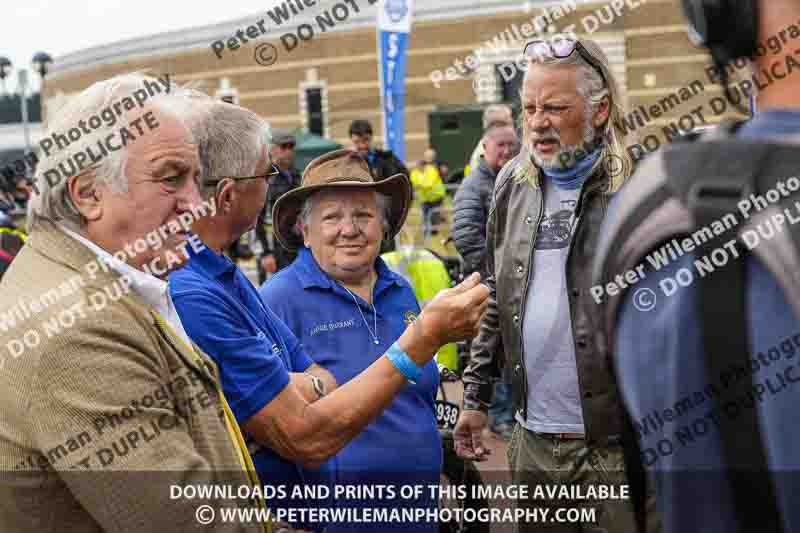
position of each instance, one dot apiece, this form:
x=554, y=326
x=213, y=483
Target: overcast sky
x=61, y=27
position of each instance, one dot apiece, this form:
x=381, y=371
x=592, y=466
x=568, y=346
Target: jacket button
x=528, y=220
x=587, y=394
x=517, y=368
x=515, y=318
x=520, y=269
x=582, y=343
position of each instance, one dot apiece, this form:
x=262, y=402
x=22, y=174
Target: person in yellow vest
x=430, y=191
x=427, y=275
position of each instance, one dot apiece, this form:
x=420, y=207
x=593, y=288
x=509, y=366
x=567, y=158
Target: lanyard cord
x=374, y=315
x=232, y=426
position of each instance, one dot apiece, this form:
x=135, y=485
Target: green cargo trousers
x=576, y=474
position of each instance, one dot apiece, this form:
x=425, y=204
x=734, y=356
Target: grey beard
x=566, y=157
x=563, y=159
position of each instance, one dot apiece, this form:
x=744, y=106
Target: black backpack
x=692, y=190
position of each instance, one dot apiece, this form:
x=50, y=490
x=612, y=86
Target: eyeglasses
x=561, y=47
x=287, y=146
x=269, y=176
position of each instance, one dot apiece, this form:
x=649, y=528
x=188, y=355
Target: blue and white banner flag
x=394, y=25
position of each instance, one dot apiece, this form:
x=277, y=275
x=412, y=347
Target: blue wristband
x=404, y=363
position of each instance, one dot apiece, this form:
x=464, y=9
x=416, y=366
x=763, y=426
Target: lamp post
x=5, y=70
x=22, y=80
x=41, y=62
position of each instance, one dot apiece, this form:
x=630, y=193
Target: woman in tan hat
x=347, y=308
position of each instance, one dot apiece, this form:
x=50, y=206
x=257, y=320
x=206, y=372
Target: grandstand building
x=321, y=82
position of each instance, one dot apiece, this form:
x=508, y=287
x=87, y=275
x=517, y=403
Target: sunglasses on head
x=273, y=171
x=561, y=47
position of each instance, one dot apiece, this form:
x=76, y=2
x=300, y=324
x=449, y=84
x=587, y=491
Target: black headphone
x=728, y=28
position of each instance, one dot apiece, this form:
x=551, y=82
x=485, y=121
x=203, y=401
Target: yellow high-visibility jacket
x=428, y=183
x=427, y=276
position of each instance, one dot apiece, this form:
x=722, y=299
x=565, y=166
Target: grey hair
x=590, y=85
x=51, y=201
x=230, y=142
x=495, y=113
x=384, y=205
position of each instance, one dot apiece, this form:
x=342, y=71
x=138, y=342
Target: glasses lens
x=563, y=46
x=288, y=146
x=538, y=50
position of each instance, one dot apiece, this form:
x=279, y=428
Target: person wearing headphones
x=707, y=372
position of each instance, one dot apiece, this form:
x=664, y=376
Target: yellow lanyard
x=230, y=422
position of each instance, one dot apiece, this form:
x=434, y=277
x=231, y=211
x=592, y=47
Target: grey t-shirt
x=554, y=404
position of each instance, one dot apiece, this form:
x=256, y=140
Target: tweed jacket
x=102, y=408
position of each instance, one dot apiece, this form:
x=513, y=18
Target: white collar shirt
x=154, y=291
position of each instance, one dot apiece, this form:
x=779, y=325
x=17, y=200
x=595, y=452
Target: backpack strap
x=712, y=178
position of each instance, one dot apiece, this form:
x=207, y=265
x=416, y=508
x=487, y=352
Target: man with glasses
x=547, y=207
x=274, y=257
x=252, y=348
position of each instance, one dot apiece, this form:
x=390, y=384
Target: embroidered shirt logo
x=410, y=317
x=331, y=326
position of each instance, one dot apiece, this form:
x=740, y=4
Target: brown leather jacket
x=511, y=229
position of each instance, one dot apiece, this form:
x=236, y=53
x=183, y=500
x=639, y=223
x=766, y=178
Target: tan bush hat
x=339, y=169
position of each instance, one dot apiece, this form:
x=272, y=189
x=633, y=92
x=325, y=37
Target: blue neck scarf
x=573, y=177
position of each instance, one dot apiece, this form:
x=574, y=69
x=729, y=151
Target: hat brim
x=287, y=207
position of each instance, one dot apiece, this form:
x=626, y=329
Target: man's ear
x=226, y=196
x=86, y=196
x=602, y=111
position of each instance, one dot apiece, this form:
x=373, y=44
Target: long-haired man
x=547, y=208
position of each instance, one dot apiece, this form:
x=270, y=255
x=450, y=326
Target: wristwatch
x=318, y=384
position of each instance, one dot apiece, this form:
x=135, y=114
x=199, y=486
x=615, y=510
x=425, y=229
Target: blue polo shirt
x=403, y=444
x=222, y=313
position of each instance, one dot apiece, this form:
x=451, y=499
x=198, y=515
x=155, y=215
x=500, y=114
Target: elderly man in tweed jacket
x=104, y=402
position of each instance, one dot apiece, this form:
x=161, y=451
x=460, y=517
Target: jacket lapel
x=192, y=355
